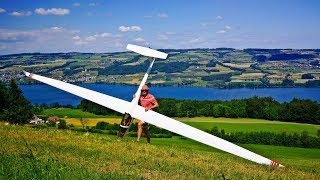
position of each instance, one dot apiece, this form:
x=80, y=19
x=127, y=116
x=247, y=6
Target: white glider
x=154, y=118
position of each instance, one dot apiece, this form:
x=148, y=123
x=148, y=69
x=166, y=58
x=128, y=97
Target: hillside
x=49, y=153
x=220, y=67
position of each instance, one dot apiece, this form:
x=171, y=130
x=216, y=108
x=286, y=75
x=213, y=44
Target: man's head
x=144, y=90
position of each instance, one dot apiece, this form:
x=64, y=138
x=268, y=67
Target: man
x=147, y=101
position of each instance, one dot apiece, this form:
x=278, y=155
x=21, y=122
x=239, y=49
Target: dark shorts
x=145, y=125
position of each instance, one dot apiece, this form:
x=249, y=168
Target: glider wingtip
x=26, y=73
x=146, y=51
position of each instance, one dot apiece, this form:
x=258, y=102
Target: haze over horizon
x=28, y=26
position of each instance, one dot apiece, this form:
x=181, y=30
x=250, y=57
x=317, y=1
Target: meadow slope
x=27, y=153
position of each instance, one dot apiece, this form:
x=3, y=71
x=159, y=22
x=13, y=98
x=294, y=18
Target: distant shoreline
x=169, y=85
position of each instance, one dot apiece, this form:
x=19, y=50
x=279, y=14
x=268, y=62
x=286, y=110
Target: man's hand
x=134, y=96
x=147, y=109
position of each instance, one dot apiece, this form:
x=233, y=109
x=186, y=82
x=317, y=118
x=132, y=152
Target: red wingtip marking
x=30, y=75
x=273, y=163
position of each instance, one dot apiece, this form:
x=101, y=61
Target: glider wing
x=198, y=135
x=110, y=102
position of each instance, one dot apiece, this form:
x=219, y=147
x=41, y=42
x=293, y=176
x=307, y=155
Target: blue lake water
x=47, y=94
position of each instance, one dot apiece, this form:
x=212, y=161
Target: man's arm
x=155, y=105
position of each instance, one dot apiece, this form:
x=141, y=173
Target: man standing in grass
x=147, y=101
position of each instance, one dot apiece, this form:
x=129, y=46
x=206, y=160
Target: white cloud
x=170, y=33
x=118, y=44
x=16, y=35
x=227, y=27
x=52, y=11
x=129, y=28
x=204, y=24
x=91, y=38
x=139, y=40
x=221, y=31
x=2, y=10
x=106, y=35
x=56, y=29
x=219, y=18
x=124, y=29
x=94, y=39
x=21, y=14
x=60, y=39
x=135, y=28
x=163, y=15
x=76, y=38
x=93, y=4
x=163, y=37
x=76, y=4
x=80, y=42
x=196, y=40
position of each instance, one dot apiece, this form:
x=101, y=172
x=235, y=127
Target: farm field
x=60, y=154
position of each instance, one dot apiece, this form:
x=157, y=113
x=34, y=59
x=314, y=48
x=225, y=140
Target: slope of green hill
x=27, y=153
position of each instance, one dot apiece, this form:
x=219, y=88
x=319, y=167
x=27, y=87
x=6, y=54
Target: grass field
x=62, y=154
x=70, y=113
x=249, y=125
x=72, y=116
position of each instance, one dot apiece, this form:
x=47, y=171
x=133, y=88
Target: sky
x=50, y=26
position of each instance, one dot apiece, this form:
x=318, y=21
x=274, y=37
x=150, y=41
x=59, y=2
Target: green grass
x=249, y=125
x=61, y=154
x=71, y=113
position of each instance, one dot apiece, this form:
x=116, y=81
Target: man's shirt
x=147, y=101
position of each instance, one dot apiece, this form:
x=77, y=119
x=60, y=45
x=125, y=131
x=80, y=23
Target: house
x=36, y=120
x=54, y=118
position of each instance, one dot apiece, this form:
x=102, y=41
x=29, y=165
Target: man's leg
x=140, y=123
x=146, y=132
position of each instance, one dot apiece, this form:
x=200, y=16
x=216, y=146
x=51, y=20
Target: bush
x=307, y=76
x=102, y=125
x=39, y=126
x=62, y=124
x=51, y=124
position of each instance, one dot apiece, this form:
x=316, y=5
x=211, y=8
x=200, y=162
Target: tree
x=19, y=109
x=83, y=121
x=307, y=76
x=287, y=82
x=315, y=63
x=167, y=107
x=3, y=99
x=261, y=58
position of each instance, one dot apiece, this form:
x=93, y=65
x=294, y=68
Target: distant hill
x=219, y=67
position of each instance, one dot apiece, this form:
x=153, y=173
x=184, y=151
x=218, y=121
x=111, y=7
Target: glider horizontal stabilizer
x=147, y=51
x=156, y=119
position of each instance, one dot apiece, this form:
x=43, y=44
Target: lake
x=46, y=94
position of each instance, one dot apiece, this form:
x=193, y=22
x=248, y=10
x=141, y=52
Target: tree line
x=15, y=109
x=297, y=110
x=302, y=140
